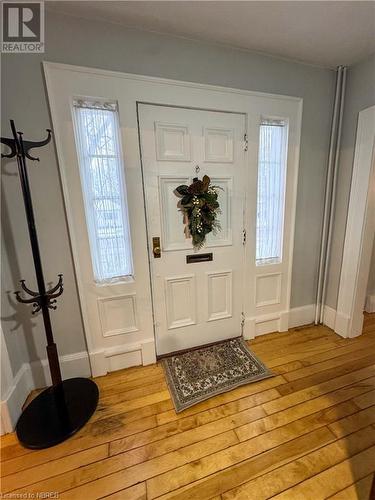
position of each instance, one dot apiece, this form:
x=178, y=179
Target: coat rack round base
x=57, y=413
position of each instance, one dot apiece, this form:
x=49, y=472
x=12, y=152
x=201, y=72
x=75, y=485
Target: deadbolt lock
x=156, y=250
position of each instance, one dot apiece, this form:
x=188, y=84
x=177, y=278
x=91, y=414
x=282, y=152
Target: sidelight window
x=271, y=191
x=103, y=185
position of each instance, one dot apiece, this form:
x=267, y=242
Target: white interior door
x=200, y=302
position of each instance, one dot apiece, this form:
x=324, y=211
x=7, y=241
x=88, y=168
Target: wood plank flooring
x=307, y=433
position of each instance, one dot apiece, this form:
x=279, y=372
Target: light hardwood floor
x=307, y=433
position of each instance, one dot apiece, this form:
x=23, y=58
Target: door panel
x=201, y=302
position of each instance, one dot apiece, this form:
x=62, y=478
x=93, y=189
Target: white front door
x=197, y=296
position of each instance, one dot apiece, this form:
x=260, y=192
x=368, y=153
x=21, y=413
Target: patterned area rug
x=199, y=374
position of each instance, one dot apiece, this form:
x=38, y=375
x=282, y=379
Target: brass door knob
x=157, y=251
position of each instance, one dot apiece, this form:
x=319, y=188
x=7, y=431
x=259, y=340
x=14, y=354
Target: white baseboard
x=329, y=317
x=11, y=405
x=266, y=324
x=261, y=325
x=340, y=323
x=370, y=304
x=337, y=322
x=299, y=316
x=278, y=322
x=125, y=356
x=72, y=365
x=249, y=329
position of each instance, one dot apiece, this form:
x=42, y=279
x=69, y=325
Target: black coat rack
x=65, y=407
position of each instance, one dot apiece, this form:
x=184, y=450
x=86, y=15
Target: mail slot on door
x=201, y=257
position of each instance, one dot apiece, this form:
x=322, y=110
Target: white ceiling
x=325, y=33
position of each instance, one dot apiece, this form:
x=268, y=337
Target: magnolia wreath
x=200, y=208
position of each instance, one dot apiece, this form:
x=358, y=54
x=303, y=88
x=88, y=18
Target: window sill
x=121, y=280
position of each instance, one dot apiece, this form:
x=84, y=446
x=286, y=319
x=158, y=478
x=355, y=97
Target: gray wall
x=371, y=278
x=90, y=43
x=360, y=94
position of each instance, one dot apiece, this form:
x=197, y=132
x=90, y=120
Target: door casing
x=65, y=82
x=360, y=231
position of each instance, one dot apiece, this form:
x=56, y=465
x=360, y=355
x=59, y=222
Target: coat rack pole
x=51, y=348
x=61, y=410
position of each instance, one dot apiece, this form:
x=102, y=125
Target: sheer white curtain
x=103, y=185
x=271, y=190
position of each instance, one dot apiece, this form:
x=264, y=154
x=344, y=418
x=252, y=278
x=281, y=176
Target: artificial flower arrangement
x=201, y=208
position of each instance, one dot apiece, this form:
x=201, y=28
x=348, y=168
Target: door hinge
x=244, y=236
x=245, y=142
x=242, y=322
